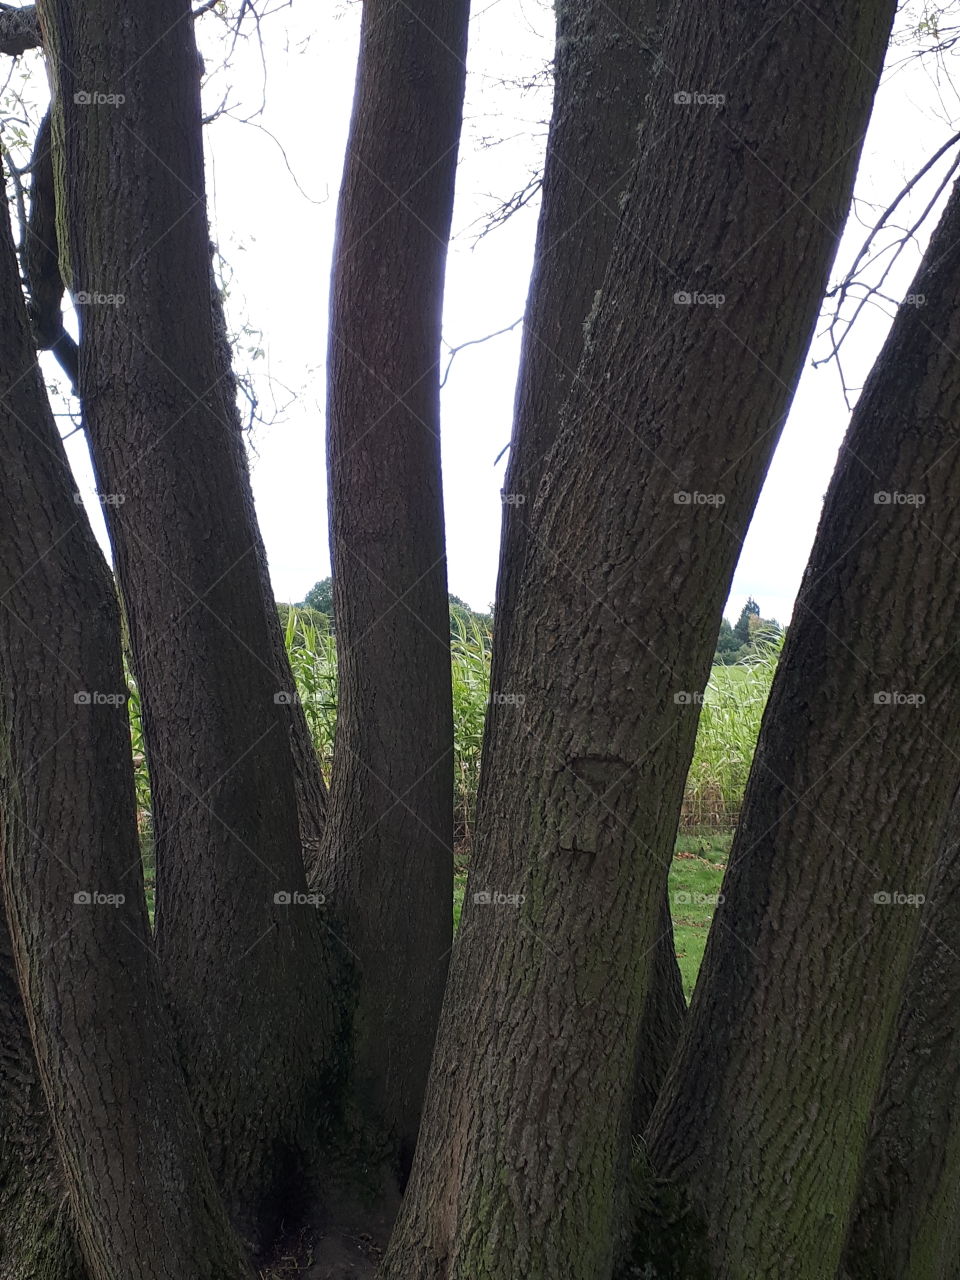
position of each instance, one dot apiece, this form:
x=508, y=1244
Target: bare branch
x=475, y=342
x=839, y=327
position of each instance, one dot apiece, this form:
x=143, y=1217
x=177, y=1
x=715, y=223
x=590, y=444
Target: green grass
x=696, y=875
x=730, y=717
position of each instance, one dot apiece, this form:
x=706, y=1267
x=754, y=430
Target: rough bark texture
x=905, y=1226
x=590, y=738
x=41, y=259
x=37, y=1240
x=141, y=1193
x=242, y=952
x=388, y=844
x=603, y=70
x=764, y=1118
x=19, y=30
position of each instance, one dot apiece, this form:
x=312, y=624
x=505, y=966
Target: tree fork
x=613, y=635
x=244, y=953
x=141, y=1198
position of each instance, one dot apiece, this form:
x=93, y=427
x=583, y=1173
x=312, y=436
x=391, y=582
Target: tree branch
x=19, y=29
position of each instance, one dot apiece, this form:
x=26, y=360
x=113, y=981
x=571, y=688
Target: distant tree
x=320, y=597
x=728, y=642
x=742, y=630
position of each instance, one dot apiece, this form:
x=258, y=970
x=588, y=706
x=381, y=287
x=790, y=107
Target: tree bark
x=242, y=951
x=764, y=1120
x=593, y=728
x=19, y=30
x=605, y=54
x=37, y=1240
x=140, y=1191
x=388, y=843
x=905, y=1225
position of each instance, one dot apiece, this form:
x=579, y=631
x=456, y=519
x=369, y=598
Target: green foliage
x=742, y=630
x=470, y=654
x=320, y=598
x=319, y=601
x=727, y=737
x=746, y=639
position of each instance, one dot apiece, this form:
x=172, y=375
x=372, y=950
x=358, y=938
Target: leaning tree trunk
x=240, y=945
x=141, y=1196
x=763, y=1122
x=388, y=842
x=905, y=1225
x=691, y=359
x=605, y=53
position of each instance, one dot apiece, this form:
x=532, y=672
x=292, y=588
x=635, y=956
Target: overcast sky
x=273, y=186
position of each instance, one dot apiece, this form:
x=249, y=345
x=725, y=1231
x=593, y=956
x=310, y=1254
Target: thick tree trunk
x=37, y=1240
x=764, y=1120
x=390, y=831
x=140, y=1191
x=906, y=1226
x=242, y=951
x=605, y=58
x=699, y=335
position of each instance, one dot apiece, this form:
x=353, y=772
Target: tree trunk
x=390, y=831
x=527, y=1122
x=905, y=1225
x=140, y=1190
x=308, y=778
x=605, y=54
x=37, y=1240
x=820, y=913
x=241, y=947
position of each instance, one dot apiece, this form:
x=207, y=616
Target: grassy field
x=696, y=875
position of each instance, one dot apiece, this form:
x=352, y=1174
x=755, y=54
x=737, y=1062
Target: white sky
x=277, y=232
